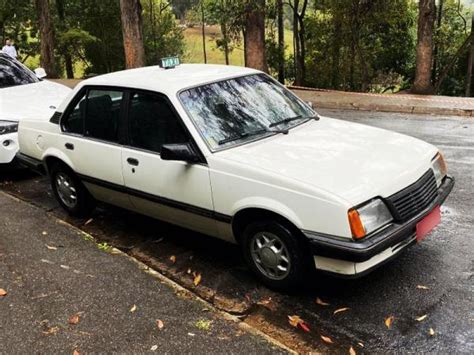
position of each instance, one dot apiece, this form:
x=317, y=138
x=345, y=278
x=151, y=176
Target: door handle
x=69, y=146
x=132, y=161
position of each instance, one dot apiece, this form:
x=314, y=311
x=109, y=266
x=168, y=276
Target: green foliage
x=162, y=35
x=360, y=45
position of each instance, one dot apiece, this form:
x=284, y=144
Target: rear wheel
x=70, y=192
x=274, y=254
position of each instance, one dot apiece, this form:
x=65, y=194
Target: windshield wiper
x=290, y=119
x=250, y=134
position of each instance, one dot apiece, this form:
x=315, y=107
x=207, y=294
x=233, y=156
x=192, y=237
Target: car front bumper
x=354, y=258
x=8, y=147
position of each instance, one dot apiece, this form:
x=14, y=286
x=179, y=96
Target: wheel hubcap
x=66, y=190
x=270, y=255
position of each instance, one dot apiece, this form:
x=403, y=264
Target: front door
x=174, y=191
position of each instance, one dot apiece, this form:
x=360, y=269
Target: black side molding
x=31, y=163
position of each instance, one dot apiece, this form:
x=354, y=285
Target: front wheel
x=274, y=254
x=70, y=192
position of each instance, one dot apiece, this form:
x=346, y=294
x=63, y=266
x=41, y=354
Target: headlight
x=8, y=127
x=439, y=168
x=368, y=218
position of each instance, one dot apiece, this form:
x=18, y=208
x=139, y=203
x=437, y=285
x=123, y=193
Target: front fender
x=268, y=204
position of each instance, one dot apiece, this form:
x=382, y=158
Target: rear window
x=12, y=73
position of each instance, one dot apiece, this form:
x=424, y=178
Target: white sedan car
x=231, y=153
x=23, y=95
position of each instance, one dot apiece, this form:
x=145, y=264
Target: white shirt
x=10, y=50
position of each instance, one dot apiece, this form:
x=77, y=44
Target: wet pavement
x=443, y=264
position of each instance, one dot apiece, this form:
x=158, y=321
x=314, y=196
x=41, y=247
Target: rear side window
x=74, y=121
x=96, y=115
x=102, y=116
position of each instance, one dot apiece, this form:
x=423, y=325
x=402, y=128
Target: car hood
x=355, y=162
x=32, y=101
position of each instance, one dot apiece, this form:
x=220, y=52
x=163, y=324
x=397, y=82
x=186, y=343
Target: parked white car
x=23, y=95
x=229, y=152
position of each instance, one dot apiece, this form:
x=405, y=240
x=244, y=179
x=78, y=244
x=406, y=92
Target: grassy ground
x=194, y=50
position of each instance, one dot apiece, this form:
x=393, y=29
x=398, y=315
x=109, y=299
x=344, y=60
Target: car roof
x=169, y=81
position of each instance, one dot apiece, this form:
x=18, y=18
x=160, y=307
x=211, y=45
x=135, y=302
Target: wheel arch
x=50, y=158
x=249, y=215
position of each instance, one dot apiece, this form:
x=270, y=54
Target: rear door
x=91, y=127
x=174, y=191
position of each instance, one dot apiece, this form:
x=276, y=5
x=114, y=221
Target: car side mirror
x=179, y=152
x=40, y=73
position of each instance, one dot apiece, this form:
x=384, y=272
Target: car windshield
x=233, y=111
x=12, y=73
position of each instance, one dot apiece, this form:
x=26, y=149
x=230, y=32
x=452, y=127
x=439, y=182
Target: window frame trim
x=123, y=130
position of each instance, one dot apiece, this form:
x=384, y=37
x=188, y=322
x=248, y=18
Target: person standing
x=9, y=48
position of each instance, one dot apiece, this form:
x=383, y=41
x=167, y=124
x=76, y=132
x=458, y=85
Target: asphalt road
x=443, y=263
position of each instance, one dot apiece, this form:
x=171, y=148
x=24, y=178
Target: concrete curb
x=387, y=103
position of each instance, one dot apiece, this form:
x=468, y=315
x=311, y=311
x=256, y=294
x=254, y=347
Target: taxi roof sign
x=170, y=62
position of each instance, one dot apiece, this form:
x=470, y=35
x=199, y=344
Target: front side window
x=152, y=123
x=12, y=73
x=238, y=110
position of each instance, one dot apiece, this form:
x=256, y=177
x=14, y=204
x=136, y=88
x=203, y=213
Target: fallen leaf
x=197, y=279
x=76, y=352
x=421, y=318
x=321, y=302
x=422, y=287
x=44, y=233
x=360, y=344
x=389, y=321
x=327, y=339
x=159, y=324
x=90, y=220
x=74, y=319
x=431, y=332
x=352, y=351
x=189, y=271
x=297, y=322
x=134, y=308
x=2, y=292
x=173, y=258
x=191, y=334
x=65, y=267
x=154, y=348
x=341, y=310
x=304, y=326
x=267, y=303
x=52, y=330
x=50, y=247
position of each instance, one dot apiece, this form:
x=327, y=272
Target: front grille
x=415, y=198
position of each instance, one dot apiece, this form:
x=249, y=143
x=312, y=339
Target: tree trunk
x=203, y=30
x=281, y=42
x=226, y=42
x=297, y=44
x=336, y=53
x=424, y=48
x=470, y=61
x=132, y=29
x=46, y=38
x=439, y=19
x=255, y=35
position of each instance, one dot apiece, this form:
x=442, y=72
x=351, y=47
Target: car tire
x=70, y=192
x=282, y=262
